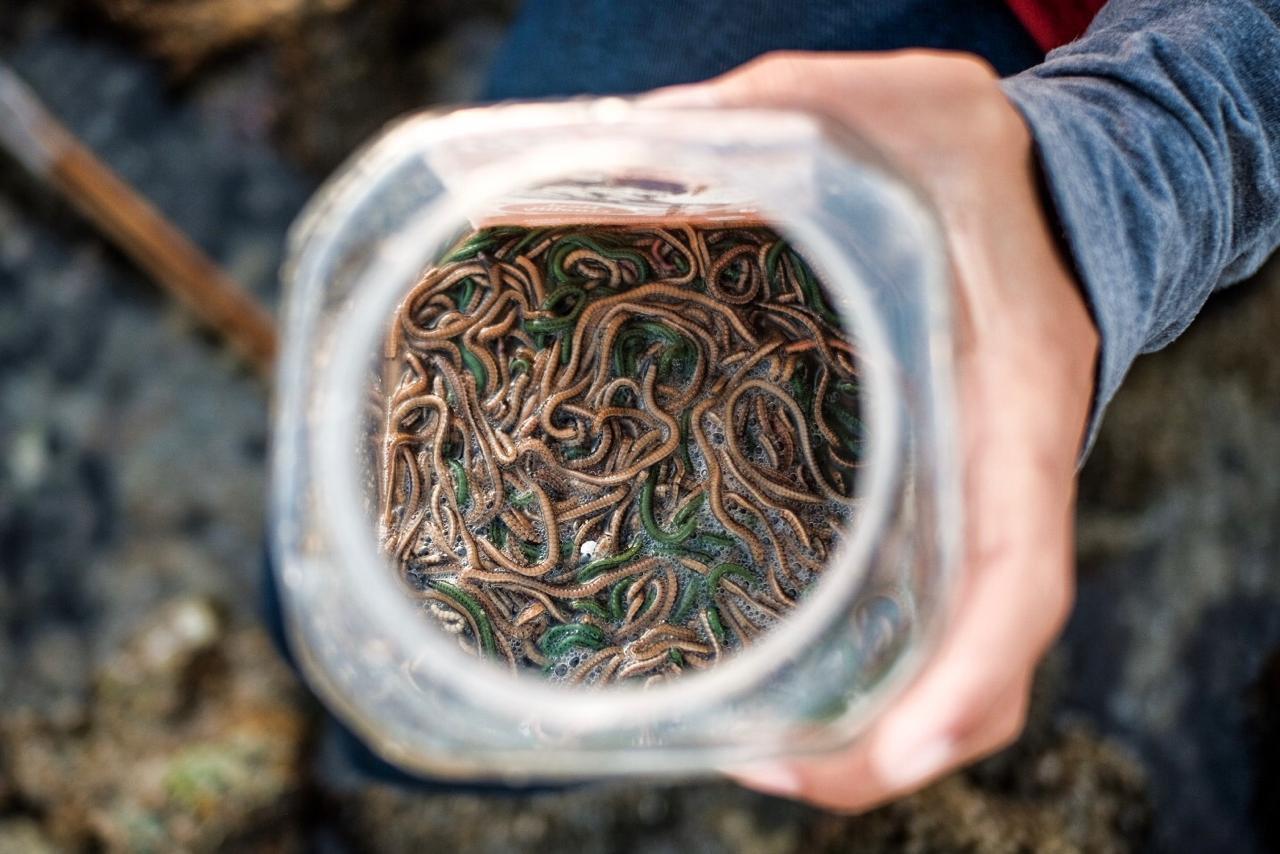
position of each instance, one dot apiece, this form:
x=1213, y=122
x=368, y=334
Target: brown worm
x=579, y=426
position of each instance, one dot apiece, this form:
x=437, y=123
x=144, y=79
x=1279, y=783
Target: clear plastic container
x=814, y=682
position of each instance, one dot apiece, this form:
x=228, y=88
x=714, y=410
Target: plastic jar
x=812, y=683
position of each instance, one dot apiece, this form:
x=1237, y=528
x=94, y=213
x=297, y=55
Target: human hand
x=1025, y=358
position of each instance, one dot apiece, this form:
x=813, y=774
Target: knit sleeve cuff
x=1074, y=159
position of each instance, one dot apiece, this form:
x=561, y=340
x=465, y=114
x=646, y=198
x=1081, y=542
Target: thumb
x=785, y=78
x=687, y=95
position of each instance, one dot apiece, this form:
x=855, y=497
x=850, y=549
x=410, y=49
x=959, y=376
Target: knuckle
x=1060, y=597
x=996, y=729
x=976, y=70
x=778, y=70
x=781, y=57
x=1009, y=727
x=956, y=68
x=970, y=719
x=987, y=726
x=972, y=80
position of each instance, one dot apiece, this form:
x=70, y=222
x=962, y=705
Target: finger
x=853, y=783
x=971, y=698
x=775, y=79
x=867, y=85
x=1015, y=598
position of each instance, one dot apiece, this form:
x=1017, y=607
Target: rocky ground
x=142, y=707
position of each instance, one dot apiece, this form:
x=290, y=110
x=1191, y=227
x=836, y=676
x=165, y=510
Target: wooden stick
x=38, y=141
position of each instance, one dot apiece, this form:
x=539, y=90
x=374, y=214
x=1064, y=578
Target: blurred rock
x=131, y=448
x=24, y=836
x=187, y=33
x=194, y=742
x=1061, y=789
x=348, y=76
x=345, y=68
x=155, y=672
x=1179, y=594
x=1264, y=720
x=1080, y=796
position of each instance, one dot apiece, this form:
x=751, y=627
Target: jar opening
x=489, y=194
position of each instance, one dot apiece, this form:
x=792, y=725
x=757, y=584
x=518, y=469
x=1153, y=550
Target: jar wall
x=396, y=206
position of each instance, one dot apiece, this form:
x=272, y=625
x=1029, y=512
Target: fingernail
x=902, y=764
x=772, y=778
x=691, y=95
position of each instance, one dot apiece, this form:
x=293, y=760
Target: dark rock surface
x=1174, y=639
x=141, y=707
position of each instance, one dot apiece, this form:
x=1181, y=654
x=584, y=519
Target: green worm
x=684, y=440
x=461, y=484
x=468, y=289
x=684, y=551
x=687, y=598
x=624, y=359
x=559, y=639
x=846, y=387
x=615, y=597
x=717, y=539
x=771, y=259
x=547, y=325
x=476, y=367
x=599, y=565
x=528, y=240
x=473, y=608
x=473, y=246
x=721, y=570
x=568, y=244
x=498, y=533
x=682, y=263
x=624, y=363
x=848, y=424
x=713, y=618
x=560, y=294
x=590, y=606
x=682, y=532
x=481, y=241
x=670, y=357
x=691, y=508
x=661, y=330
x=649, y=599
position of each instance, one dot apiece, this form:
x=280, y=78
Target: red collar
x=1055, y=22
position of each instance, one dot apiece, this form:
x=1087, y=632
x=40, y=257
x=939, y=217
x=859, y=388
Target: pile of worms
x=615, y=453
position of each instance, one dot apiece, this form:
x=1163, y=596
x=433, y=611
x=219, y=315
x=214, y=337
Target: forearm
x=1159, y=134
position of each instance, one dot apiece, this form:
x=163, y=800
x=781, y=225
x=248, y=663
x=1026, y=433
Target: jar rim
x=421, y=242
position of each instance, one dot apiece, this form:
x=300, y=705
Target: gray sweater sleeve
x=1159, y=136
